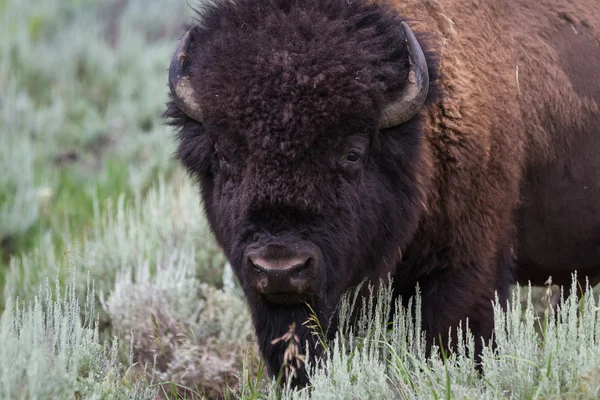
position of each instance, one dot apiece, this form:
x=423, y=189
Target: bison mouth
x=288, y=299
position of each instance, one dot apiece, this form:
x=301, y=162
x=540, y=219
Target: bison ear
x=410, y=100
x=180, y=81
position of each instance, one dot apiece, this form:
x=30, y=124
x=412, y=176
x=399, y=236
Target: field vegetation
x=112, y=286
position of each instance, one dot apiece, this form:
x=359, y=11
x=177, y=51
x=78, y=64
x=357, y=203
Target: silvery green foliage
x=96, y=69
x=20, y=197
x=167, y=220
x=565, y=362
x=226, y=317
x=159, y=308
x=48, y=352
x=149, y=273
x=196, y=333
x=359, y=376
x=27, y=272
x=534, y=357
x=172, y=289
x=81, y=79
x=144, y=260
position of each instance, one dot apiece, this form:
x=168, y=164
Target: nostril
x=301, y=270
x=256, y=268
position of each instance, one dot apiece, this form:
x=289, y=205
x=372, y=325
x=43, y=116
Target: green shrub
x=154, y=284
x=197, y=334
x=20, y=197
x=49, y=352
x=83, y=87
x=379, y=359
x=167, y=220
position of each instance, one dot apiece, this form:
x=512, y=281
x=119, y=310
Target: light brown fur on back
x=500, y=77
x=513, y=97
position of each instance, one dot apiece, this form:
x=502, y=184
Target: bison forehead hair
x=266, y=66
x=303, y=188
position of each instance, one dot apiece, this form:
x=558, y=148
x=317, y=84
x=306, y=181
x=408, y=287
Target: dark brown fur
x=499, y=173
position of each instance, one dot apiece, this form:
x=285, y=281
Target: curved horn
x=179, y=81
x=412, y=97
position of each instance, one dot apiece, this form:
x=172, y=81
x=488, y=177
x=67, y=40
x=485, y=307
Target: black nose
x=278, y=270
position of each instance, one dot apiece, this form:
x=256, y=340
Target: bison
x=333, y=145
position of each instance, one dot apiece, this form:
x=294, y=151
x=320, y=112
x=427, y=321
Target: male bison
x=331, y=146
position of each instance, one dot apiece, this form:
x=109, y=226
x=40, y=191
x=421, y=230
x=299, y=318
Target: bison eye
x=353, y=156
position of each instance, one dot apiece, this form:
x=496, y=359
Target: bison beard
x=330, y=149
x=272, y=322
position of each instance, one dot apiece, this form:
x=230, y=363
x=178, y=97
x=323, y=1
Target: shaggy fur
x=496, y=178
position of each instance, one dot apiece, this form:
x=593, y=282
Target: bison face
x=294, y=123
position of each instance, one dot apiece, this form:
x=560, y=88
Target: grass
x=112, y=284
x=83, y=88
x=56, y=353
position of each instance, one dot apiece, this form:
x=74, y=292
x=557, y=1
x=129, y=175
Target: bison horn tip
x=180, y=82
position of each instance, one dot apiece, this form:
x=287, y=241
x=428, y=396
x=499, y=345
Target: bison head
x=294, y=118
